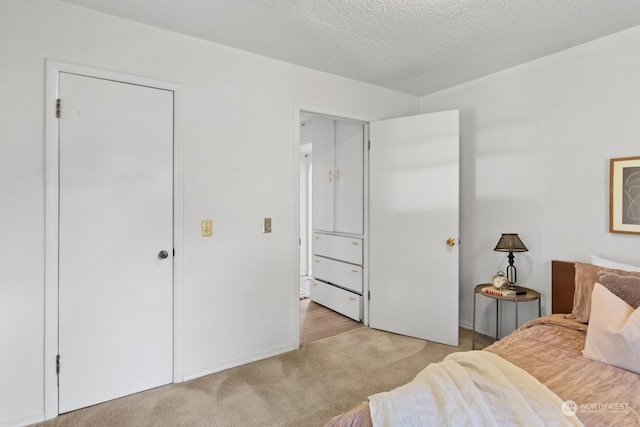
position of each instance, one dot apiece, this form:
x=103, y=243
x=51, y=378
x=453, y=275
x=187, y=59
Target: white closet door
x=414, y=181
x=349, y=177
x=116, y=216
x=323, y=173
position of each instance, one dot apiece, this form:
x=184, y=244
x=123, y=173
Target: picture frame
x=624, y=195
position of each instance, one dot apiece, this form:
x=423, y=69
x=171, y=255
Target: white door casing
x=116, y=215
x=413, y=210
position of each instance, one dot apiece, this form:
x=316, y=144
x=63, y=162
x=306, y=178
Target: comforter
x=550, y=350
x=474, y=388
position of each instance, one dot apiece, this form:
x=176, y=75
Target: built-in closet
x=337, y=224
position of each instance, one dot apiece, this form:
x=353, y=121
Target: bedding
x=475, y=388
x=613, y=336
x=603, y=262
x=626, y=288
x=549, y=349
x=585, y=277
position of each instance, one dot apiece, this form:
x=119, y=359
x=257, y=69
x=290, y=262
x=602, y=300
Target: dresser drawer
x=339, y=273
x=340, y=300
x=346, y=249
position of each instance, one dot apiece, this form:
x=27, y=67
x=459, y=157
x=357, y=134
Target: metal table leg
x=539, y=307
x=473, y=340
x=497, y=319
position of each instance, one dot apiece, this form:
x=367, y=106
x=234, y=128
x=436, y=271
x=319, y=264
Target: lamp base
x=511, y=270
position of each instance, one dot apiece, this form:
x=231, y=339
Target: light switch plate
x=266, y=225
x=206, y=227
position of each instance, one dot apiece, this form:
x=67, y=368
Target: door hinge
x=58, y=364
x=58, y=108
x=369, y=145
x=369, y=295
x=174, y=251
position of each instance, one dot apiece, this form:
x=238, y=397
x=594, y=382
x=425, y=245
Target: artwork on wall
x=624, y=195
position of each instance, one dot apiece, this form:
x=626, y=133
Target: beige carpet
x=301, y=388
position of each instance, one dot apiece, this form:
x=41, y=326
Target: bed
x=548, y=380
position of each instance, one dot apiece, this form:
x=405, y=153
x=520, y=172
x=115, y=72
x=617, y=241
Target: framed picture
x=624, y=195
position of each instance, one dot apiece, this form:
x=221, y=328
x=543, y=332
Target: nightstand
x=529, y=295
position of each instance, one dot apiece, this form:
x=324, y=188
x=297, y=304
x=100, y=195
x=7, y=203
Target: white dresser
x=338, y=273
x=338, y=215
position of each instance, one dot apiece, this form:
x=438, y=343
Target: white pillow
x=602, y=262
x=613, y=336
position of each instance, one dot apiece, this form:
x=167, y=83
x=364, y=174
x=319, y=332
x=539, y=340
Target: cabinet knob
x=451, y=241
x=337, y=174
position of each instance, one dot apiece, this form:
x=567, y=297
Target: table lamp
x=510, y=242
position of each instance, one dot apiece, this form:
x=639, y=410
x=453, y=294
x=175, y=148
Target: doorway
x=320, y=318
x=410, y=223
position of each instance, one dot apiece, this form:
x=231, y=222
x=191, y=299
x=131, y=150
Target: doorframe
x=53, y=68
x=338, y=114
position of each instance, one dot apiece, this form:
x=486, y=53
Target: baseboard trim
x=235, y=362
x=23, y=421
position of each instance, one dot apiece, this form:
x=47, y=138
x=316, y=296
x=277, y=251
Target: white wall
x=240, y=286
x=535, y=147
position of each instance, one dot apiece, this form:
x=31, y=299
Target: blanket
x=473, y=388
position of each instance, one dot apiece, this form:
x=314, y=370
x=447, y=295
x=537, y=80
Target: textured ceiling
x=412, y=46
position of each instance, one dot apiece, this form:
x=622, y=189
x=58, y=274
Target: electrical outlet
x=206, y=228
x=266, y=225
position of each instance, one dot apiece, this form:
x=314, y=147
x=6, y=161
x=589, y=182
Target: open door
x=413, y=226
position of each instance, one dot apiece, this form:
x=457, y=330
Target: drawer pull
x=355, y=270
x=352, y=298
x=316, y=260
x=318, y=237
x=355, y=243
x=314, y=283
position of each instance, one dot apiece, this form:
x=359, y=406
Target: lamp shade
x=510, y=242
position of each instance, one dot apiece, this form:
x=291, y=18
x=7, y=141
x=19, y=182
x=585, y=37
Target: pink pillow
x=613, y=336
x=627, y=288
x=586, y=277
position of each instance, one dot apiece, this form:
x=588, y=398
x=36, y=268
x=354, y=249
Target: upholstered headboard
x=562, y=286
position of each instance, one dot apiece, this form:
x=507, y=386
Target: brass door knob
x=451, y=241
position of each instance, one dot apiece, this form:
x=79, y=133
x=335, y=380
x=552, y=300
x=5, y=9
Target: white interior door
x=116, y=216
x=413, y=200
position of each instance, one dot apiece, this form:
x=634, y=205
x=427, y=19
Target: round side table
x=529, y=295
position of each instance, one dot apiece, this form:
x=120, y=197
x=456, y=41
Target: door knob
x=451, y=241
x=163, y=254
